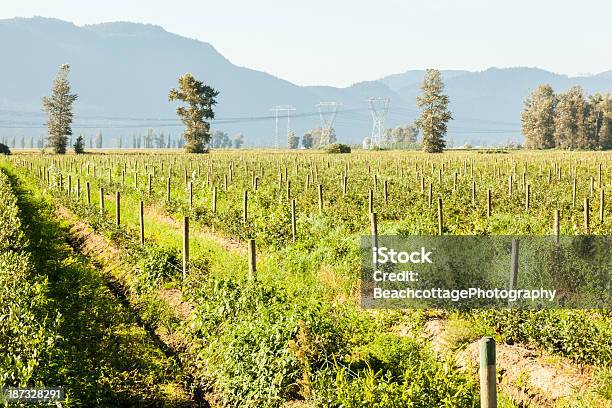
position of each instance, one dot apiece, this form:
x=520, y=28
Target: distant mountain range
x=123, y=71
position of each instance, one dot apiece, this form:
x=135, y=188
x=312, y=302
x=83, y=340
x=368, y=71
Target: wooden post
x=88, y=188
x=386, y=192
x=440, y=219
x=586, y=215
x=514, y=263
x=190, y=195
x=510, y=186
x=374, y=233
x=149, y=186
x=288, y=190
x=488, y=203
x=527, y=196
x=118, y=208
x=141, y=222
x=321, y=198
x=245, y=206
x=430, y=195
x=370, y=201
x=168, y=189
x=293, y=224
x=488, y=375
x=78, y=188
x=473, y=192
x=574, y=192
x=601, y=203
x=252, y=260
x=557, y=225
x=102, y=199
x=214, y=200
x=69, y=185
x=185, y=246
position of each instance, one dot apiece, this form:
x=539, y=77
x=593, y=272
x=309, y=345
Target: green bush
x=157, y=265
x=4, y=149
x=337, y=148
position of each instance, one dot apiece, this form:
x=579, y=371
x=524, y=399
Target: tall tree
x=538, y=118
x=293, y=141
x=434, y=111
x=600, y=120
x=59, y=109
x=99, y=140
x=571, y=121
x=79, y=145
x=238, y=140
x=307, y=140
x=200, y=99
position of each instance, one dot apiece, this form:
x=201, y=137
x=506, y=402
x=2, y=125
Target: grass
x=104, y=357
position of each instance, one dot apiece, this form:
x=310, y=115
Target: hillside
x=124, y=70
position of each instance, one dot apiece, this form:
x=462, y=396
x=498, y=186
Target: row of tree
x=568, y=120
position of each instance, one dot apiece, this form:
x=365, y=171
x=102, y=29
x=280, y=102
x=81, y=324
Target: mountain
x=123, y=71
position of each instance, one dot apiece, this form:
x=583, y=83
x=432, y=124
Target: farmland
x=290, y=330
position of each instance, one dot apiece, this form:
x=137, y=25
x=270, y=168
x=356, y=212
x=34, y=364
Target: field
x=93, y=255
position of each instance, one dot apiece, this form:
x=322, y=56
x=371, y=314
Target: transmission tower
x=379, y=106
x=282, y=108
x=327, y=113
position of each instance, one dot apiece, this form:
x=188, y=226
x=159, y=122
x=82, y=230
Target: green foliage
x=538, y=118
x=157, y=265
x=59, y=108
x=79, y=147
x=434, y=112
x=337, y=148
x=201, y=99
x=307, y=140
x=293, y=141
x=4, y=149
x=27, y=331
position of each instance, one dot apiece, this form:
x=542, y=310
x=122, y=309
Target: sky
x=340, y=42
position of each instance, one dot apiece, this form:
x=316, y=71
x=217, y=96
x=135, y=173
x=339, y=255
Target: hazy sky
x=338, y=42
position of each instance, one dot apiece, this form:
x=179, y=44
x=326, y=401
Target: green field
x=292, y=333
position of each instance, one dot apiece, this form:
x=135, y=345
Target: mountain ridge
x=125, y=69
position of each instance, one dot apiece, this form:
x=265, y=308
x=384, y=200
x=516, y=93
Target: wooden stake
x=488, y=375
x=293, y=223
x=185, y=246
x=252, y=260
x=141, y=222
x=118, y=208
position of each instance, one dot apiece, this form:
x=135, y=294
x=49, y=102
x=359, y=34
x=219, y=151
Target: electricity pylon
x=283, y=108
x=379, y=106
x=327, y=113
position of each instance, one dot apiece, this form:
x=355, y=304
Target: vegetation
x=297, y=333
x=201, y=100
x=4, y=149
x=79, y=147
x=434, y=112
x=59, y=108
x=568, y=120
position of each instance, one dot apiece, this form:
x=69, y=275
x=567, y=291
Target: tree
x=99, y=140
x=220, y=139
x=4, y=149
x=201, y=99
x=59, y=109
x=538, y=118
x=293, y=141
x=307, y=140
x=79, y=145
x=571, y=120
x=600, y=120
x=238, y=140
x=434, y=112
x=160, y=140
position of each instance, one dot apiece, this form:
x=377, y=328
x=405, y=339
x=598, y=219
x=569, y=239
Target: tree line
x=568, y=120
